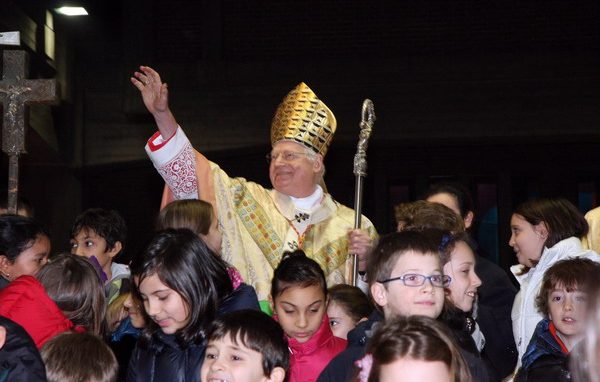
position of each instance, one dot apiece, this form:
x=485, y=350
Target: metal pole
x=13, y=183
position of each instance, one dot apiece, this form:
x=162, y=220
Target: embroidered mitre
x=303, y=118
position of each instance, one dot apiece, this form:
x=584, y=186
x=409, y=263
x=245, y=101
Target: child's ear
x=541, y=229
x=4, y=263
x=277, y=375
x=115, y=249
x=379, y=294
x=271, y=304
x=469, y=219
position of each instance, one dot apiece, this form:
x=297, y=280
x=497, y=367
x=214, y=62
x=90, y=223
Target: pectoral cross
x=16, y=93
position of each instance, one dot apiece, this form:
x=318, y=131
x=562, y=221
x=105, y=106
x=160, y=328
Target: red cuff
x=157, y=147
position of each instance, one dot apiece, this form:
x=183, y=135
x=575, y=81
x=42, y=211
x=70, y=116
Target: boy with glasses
x=405, y=279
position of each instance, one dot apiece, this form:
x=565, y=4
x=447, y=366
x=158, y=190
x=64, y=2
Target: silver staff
x=360, y=171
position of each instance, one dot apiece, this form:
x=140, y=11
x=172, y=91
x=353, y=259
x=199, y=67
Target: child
x=405, y=276
x=66, y=295
x=100, y=234
x=247, y=345
x=405, y=279
x=128, y=310
x=496, y=294
x=458, y=262
x=299, y=295
x=419, y=215
x=394, y=255
x=199, y=217
x=183, y=287
x=79, y=357
x=24, y=247
x=196, y=215
x=563, y=300
x=347, y=306
x=415, y=348
x=544, y=231
x=454, y=196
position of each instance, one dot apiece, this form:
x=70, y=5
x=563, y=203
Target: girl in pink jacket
x=299, y=297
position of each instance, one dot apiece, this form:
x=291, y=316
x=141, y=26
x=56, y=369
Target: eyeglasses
x=415, y=280
x=287, y=156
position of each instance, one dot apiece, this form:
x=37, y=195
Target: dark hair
x=418, y=338
x=355, y=303
x=384, y=257
x=74, y=357
x=561, y=217
x=422, y=214
x=108, y=224
x=256, y=331
x=73, y=284
x=576, y=273
x=296, y=269
x=455, y=189
x=193, y=214
x=184, y=263
x=446, y=242
x=17, y=234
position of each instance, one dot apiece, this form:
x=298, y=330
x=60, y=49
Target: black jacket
x=164, y=359
x=544, y=359
x=19, y=358
x=495, y=299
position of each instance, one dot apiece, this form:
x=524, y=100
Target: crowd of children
x=436, y=309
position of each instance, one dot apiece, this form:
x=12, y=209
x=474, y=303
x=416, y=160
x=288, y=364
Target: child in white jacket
x=544, y=231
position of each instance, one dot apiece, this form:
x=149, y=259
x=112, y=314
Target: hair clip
x=364, y=364
x=445, y=240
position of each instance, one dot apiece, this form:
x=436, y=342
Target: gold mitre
x=303, y=118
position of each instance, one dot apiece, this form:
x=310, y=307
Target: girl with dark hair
x=183, y=286
x=24, y=247
x=299, y=295
x=413, y=348
x=497, y=292
x=458, y=262
x=544, y=231
x=198, y=216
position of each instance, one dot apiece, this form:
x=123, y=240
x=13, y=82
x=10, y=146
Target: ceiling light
x=72, y=11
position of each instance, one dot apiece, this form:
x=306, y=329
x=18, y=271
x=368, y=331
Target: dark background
x=501, y=95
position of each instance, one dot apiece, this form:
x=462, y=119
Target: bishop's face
x=292, y=171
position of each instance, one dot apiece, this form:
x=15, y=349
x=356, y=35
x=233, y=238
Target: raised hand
x=155, y=95
x=154, y=92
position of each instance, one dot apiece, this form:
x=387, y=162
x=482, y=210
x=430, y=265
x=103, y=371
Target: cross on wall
x=16, y=93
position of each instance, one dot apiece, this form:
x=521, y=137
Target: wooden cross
x=16, y=93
